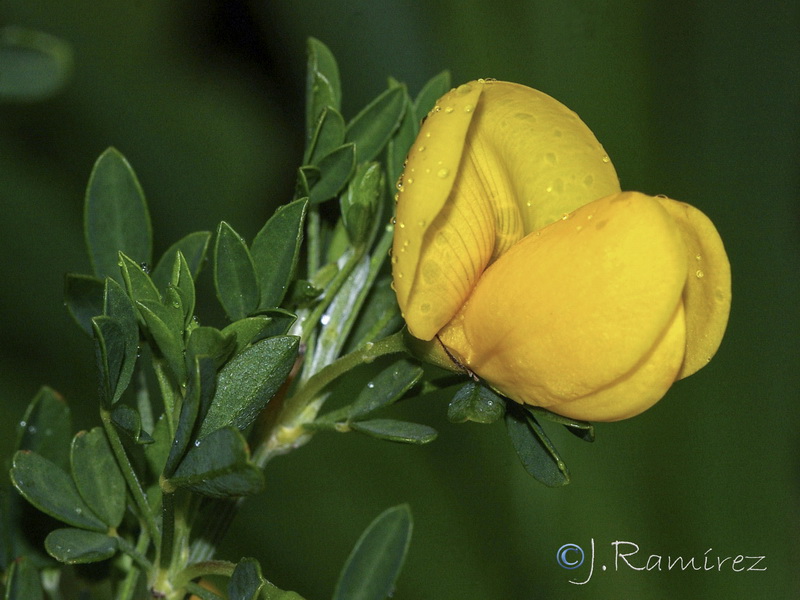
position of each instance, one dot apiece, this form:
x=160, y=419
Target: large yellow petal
x=707, y=295
x=573, y=308
x=493, y=161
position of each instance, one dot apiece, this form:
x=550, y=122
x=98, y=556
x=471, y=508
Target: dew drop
x=565, y=216
x=402, y=225
x=606, y=159
x=394, y=219
x=371, y=385
x=464, y=88
x=698, y=257
x=427, y=134
x=528, y=204
x=421, y=149
x=409, y=181
x=391, y=286
x=448, y=110
x=468, y=108
x=699, y=274
x=442, y=173
x=422, y=223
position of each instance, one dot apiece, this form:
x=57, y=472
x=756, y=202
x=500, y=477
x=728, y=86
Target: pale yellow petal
x=707, y=296
x=573, y=308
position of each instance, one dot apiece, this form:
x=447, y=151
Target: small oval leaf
x=116, y=218
x=249, y=381
x=52, y=491
x=396, y=431
x=234, y=274
x=78, y=546
x=375, y=562
x=97, y=476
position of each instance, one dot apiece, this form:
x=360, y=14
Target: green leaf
x=83, y=295
x=116, y=218
x=110, y=342
x=117, y=305
x=275, y=251
x=436, y=87
x=248, y=331
x=46, y=427
x=156, y=453
x=360, y=204
x=52, y=491
x=372, y=568
x=535, y=449
x=281, y=322
x=477, y=403
x=199, y=392
x=246, y=581
x=387, y=387
x=193, y=247
x=182, y=284
x=234, y=274
x=395, y=431
x=137, y=282
x=218, y=466
x=164, y=323
x=208, y=341
x=23, y=581
x=379, y=318
x=78, y=546
x=128, y=421
x=35, y=65
x=374, y=125
x=97, y=476
x=335, y=170
x=581, y=429
x=307, y=176
x=323, y=88
x=249, y=381
x=328, y=135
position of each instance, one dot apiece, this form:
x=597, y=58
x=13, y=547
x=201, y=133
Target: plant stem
x=290, y=425
x=131, y=479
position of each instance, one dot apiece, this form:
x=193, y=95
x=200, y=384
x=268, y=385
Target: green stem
x=128, y=586
x=139, y=558
x=168, y=527
x=313, y=241
x=131, y=479
x=330, y=293
x=290, y=426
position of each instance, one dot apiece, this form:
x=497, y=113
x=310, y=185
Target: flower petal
x=493, y=161
x=707, y=295
x=573, y=308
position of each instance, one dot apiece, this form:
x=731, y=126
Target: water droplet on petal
x=699, y=274
x=421, y=149
x=442, y=173
x=468, y=108
x=448, y=110
x=606, y=159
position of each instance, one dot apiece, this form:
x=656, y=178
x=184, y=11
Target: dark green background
x=696, y=100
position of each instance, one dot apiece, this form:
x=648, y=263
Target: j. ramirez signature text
x=627, y=555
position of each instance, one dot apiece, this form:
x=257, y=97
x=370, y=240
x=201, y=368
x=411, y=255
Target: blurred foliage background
x=698, y=100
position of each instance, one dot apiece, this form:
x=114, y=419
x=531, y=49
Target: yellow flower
x=518, y=258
